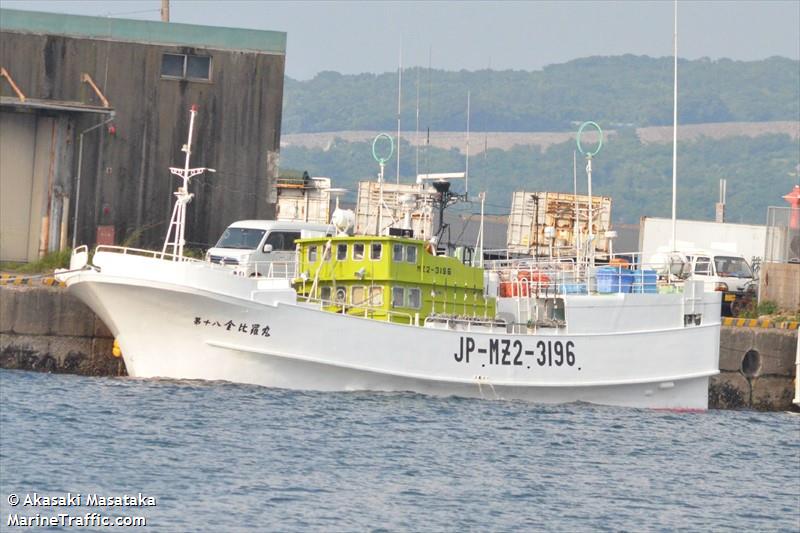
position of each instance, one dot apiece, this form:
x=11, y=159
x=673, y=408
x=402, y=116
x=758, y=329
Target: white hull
x=153, y=306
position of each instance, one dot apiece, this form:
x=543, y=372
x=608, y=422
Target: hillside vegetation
x=620, y=93
x=621, y=90
x=637, y=176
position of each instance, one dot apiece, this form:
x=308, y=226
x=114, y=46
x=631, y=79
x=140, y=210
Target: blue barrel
x=645, y=281
x=614, y=279
x=625, y=280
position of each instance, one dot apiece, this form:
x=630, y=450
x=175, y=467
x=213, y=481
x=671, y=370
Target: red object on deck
x=794, y=201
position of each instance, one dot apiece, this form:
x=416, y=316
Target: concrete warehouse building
x=94, y=110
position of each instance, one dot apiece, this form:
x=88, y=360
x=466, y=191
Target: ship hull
x=169, y=326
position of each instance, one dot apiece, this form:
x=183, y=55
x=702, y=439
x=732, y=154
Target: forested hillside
x=621, y=90
x=637, y=176
x=621, y=93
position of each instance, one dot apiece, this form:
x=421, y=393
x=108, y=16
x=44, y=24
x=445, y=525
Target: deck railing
x=365, y=311
x=262, y=270
x=525, y=278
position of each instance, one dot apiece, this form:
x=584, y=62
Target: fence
x=783, y=235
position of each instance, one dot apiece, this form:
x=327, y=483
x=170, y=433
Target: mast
x=675, y=126
x=482, y=197
x=576, y=231
x=589, y=155
x=466, y=164
x=177, y=225
x=416, y=134
x=399, y=94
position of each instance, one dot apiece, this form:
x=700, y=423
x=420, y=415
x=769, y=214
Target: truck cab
x=725, y=272
x=255, y=247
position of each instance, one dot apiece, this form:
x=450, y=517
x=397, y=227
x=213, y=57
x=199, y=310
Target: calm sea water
x=226, y=457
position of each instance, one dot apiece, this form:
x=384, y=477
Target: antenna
x=675, y=127
x=430, y=89
x=589, y=155
x=576, y=231
x=479, y=245
x=719, y=212
x=382, y=164
x=466, y=164
x=416, y=135
x=399, y=95
x=182, y=197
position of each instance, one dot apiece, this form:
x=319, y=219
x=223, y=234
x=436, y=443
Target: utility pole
x=164, y=10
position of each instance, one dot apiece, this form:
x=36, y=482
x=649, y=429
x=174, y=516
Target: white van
x=253, y=247
x=725, y=272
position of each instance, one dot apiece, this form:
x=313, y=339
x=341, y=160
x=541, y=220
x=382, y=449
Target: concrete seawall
x=46, y=329
x=757, y=369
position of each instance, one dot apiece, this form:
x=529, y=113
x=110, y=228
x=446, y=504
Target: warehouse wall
x=126, y=181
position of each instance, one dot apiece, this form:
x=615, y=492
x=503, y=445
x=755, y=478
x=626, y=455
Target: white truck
x=263, y=247
x=722, y=271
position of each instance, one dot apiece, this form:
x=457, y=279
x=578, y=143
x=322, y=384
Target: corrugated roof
x=143, y=31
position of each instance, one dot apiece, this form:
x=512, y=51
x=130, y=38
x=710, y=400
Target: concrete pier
x=757, y=369
x=46, y=329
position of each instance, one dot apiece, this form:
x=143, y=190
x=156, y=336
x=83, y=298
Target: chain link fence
x=783, y=235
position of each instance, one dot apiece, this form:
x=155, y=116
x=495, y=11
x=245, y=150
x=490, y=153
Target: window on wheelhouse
x=357, y=295
x=312, y=253
x=358, y=251
x=325, y=294
x=240, y=238
x=376, y=296
x=414, y=298
x=375, y=251
x=397, y=253
x=341, y=295
x=411, y=253
x=341, y=252
x=398, y=297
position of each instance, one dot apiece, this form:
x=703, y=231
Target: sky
x=356, y=37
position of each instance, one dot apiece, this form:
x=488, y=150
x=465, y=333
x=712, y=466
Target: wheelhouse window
x=375, y=251
x=411, y=253
x=357, y=295
x=397, y=252
x=341, y=295
x=358, y=251
x=341, y=252
x=185, y=66
x=414, y=298
x=312, y=253
x=325, y=294
x=376, y=296
x=398, y=297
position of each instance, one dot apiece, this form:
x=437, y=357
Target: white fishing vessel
x=389, y=312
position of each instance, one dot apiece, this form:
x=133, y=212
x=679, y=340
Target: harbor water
x=228, y=457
